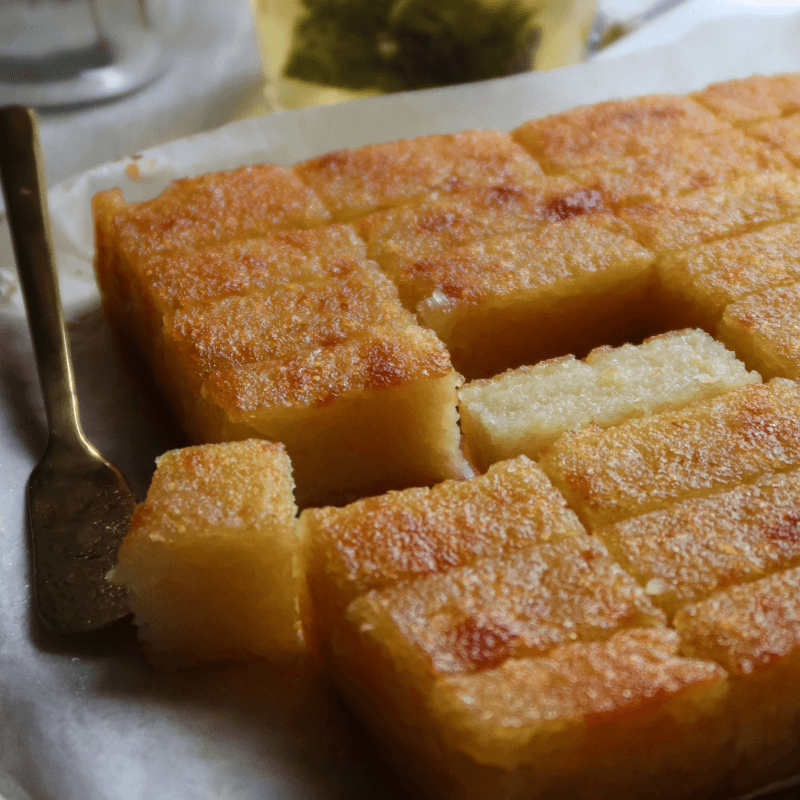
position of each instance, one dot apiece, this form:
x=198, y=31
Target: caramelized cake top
x=210, y=209
x=745, y=627
x=594, y=134
x=365, y=179
x=782, y=133
x=686, y=551
x=749, y=100
x=378, y=541
x=645, y=464
x=385, y=356
x=475, y=617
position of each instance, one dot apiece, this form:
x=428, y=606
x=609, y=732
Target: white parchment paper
x=89, y=720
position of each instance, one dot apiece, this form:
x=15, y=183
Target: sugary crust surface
x=391, y=355
x=503, y=711
x=763, y=329
x=356, y=182
x=781, y=133
x=749, y=100
x=379, y=541
x=599, y=133
x=474, y=618
x=699, y=546
x=745, y=627
x=645, y=464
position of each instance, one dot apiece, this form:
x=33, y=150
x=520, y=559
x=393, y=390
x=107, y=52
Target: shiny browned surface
x=645, y=464
x=599, y=133
x=355, y=182
x=525, y=603
x=748, y=100
x=763, y=330
x=379, y=541
x=698, y=546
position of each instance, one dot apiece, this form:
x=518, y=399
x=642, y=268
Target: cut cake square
x=600, y=133
x=379, y=541
x=209, y=561
x=355, y=182
x=764, y=330
x=523, y=411
x=695, y=286
x=753, y=631
x=645, y=464
x=746, y=101
x=524, y=297
x=690, y=549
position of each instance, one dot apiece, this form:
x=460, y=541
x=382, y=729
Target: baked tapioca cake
x=400, y=236
x=749, y=100
x=690, y=549
x=764, y=328
x=679, y=166
x=618, y=715
x=645, y=464
x=753, y=631
x=356, y=182
x=784, y=134
x=595, y=134
x=208, y=209
x=374, y=412
x=694, y=287
x=741, y=206
x=209, y=560
x=524, y=410
x=524, y=297
x=379, y=541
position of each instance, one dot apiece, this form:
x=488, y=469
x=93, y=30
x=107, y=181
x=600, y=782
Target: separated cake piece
x=764, y=330
x=749, y=100
x=742, y=206
x=596, y=134
x=695, y=287
x=645, y=464
x=680, y=165
x=753, y=631
x=376, y=542
x=522, y=411
x=692, y=548
x=355, y=182
x=518, y=299
x=209, y=561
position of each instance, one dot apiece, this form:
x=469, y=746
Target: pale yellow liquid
x=564, y=26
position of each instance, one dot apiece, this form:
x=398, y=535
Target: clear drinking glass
x=327, y=51
x=67, y=52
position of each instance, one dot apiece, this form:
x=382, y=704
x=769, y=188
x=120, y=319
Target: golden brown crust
x=595, y=134
x=748, y=100
x=356, y=182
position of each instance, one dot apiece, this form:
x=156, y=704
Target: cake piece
x=522, y=411
x=693, y=548
x=746, y=101
x=783, y=133
x=596, y=134
x=403, y=235
x=524, y=297
x=753, y=631
x=209, y=559
x=743, y=205
x=695, y=286
x=379, y=541
x=624, y=716
x=678, y=166
x=190, y=212
x=358, y=418
x=763, y=330
x=355, y=182
x=645, y=464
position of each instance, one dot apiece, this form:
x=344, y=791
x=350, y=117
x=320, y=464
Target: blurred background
x=112, y=77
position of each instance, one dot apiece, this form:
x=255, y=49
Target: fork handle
x=25, y=194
